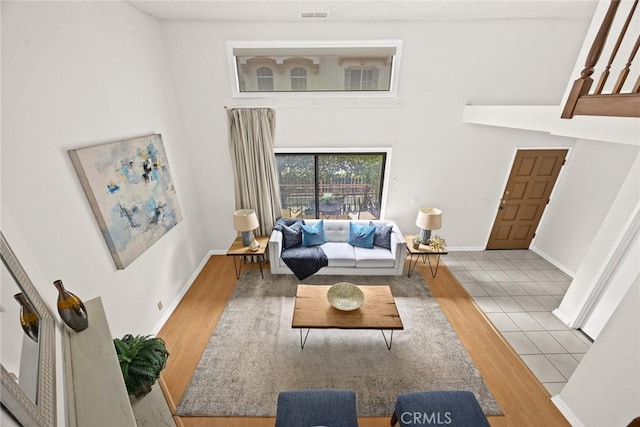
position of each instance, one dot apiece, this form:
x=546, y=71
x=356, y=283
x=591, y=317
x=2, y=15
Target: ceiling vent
x=314, y=15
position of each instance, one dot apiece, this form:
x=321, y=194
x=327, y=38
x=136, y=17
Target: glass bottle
x=28, y=318
x=71, y=309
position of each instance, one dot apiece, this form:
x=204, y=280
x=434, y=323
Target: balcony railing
x=622, y=99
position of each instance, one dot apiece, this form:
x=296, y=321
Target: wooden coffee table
x=313, y=311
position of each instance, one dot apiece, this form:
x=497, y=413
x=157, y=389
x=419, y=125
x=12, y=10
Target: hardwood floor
x=524, y=401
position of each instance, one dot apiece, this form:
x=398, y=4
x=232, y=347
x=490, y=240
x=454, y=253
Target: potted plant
x=416, y=241
x=141, y=359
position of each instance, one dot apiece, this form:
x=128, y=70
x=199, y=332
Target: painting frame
x=131, y=193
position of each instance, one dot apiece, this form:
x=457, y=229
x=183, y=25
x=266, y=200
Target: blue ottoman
x=432, y=408
x=306, y=408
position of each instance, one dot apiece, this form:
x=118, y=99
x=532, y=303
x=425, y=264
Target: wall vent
x=314, y=14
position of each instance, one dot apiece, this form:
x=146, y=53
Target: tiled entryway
x=517, y=290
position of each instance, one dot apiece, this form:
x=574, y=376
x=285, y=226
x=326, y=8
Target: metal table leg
x=390, y=342
x=412, y=264
x=434, y=273
x=302, y=343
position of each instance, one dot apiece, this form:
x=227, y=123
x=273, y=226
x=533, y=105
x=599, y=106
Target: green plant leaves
x=141, y=359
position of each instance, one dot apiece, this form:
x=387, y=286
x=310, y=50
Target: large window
x=331, y=185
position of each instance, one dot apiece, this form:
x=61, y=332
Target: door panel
x=532, y=177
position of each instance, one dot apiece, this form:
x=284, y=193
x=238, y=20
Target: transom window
x=331, y=185
x=366, y=67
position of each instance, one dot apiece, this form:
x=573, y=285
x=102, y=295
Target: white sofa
x=345, y=258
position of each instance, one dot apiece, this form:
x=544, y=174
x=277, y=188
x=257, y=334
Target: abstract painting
x=131, y=193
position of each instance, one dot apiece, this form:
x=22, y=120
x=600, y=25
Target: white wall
x=76, y=74
x=583, y=196
x=437, y=159
x=604, y=390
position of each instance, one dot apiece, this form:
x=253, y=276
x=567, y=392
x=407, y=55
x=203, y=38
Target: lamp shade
x=245, y=220
x=429, y=218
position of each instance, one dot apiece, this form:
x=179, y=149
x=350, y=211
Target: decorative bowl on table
x=345, y=296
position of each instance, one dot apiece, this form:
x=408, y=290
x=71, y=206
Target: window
x=298, y=79
x=331, y=185
x=361, y=79
x=265, y=79
x=292, y=68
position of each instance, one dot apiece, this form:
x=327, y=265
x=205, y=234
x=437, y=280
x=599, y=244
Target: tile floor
x=517, y=290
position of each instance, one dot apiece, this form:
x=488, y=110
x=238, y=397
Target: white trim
x=393, y=84
x=631, y=228
x=563, y=317
x=566, y=270
x=465, y=249
x=169, y=310
x=566, y=411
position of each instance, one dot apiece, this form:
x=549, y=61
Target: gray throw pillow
x=291, y=236
x=382, y=236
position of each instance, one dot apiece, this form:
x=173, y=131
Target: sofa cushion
x=339, y=254
x=361, y=236
x=313, y=235
x=291, y=235
x=382, y=235
x=376, y=257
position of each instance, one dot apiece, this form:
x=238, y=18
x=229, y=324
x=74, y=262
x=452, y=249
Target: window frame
x=395, y=69
x=386, y=166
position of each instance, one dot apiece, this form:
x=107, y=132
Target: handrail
x=616, y=103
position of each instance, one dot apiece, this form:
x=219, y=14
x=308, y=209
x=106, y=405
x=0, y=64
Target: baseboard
x=569, y=272
x=566, y=411
x=563, y=317
x=465, y=248
x=182, y=292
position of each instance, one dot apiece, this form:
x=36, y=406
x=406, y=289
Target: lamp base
x=247, y=237
x=425, y=235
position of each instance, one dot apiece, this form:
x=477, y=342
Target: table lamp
x=245, y=220
x=428, y=219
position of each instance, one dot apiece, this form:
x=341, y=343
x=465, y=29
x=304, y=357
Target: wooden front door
x=532, y=177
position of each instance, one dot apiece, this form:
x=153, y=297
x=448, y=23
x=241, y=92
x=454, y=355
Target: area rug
x=254, y=353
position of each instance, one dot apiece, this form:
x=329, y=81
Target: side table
x=424, y=251
x=237, y=249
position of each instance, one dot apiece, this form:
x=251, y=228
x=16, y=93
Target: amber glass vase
x=28, y=318
x=71, y=309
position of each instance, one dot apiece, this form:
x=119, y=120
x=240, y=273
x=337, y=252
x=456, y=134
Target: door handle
x=502, y=202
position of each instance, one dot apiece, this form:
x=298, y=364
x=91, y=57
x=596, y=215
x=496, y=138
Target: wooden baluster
x=605, y=73
x=582, y=85
x=636, y=87
x=625, y=71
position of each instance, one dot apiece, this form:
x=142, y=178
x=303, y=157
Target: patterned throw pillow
x=313, y=235
x=361, y=235
x=382, y=235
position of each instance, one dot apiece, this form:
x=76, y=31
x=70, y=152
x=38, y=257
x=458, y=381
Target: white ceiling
x=364, y=10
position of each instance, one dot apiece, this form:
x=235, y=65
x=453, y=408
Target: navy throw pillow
x=382, y=235
x=291, y=236
x=361, y=235
x=313, y=235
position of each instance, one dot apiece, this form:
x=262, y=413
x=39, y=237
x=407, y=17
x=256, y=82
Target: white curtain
x=251, y=135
